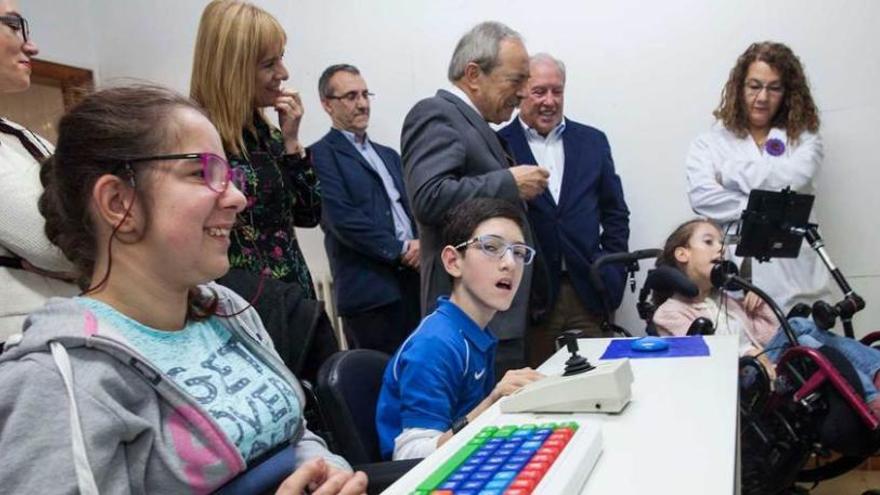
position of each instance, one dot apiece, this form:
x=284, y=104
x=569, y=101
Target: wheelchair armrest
x=871, y=339
x=381, y=475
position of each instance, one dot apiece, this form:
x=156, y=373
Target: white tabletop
x=677, y=435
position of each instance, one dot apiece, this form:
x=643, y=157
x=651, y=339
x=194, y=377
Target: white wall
x=64, y=31
x=647, y=73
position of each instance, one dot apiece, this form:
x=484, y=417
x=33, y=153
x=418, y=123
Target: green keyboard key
x=437, y=477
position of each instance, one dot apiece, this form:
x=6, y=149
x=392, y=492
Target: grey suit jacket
x=450, y=154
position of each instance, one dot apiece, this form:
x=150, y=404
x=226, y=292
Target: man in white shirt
x=581, y=216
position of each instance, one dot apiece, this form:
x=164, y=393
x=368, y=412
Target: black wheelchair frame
x=786, y=423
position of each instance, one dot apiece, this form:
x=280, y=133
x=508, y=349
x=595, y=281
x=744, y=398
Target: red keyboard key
x=524, y=484
x=516, y=491
x=557, y=444
x=560, y=436
x=530, y=474
x=541, y=458
x=541, y=467
x=551, y=451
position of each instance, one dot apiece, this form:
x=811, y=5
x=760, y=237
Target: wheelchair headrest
x=670, y=279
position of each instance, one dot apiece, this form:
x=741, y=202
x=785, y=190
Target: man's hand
x=319, y=478
x=514, y=380
x=531, y=180
x=412, y=255
x=290, y=111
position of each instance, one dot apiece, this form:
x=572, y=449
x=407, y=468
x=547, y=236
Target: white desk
x=676, y=436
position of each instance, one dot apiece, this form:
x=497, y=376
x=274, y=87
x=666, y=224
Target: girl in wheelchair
x=694, y=248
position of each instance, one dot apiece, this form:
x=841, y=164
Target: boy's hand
x=514, y=380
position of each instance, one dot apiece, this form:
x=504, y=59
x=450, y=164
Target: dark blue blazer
x=591, y=218
x=359, y=237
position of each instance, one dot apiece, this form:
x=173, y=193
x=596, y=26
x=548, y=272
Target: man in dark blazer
x=581, y=216
x=369, y=233
x=450, y=154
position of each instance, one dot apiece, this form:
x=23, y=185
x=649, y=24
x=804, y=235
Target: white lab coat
x=722, y=169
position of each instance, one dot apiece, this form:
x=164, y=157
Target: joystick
x=575, y=363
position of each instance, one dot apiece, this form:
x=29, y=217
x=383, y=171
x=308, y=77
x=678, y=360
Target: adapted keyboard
x=548, y=458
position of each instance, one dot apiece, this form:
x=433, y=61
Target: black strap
x=11, y=262
x=28, y=143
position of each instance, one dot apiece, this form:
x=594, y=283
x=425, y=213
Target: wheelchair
x=807, y=425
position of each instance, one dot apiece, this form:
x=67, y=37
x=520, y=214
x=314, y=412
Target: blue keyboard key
x=482, y=476
x=449, y=485
x=457, y=477
x=520, y=458
x=531, y=445
x=467, y=469
x=512, y=466
x=504, y=452
x=496, y=460
x=488, y=467
x=488, y=492
x=473, y=485
x=497, y=484
x=505, y=475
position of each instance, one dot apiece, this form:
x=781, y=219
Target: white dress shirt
x=549, y=153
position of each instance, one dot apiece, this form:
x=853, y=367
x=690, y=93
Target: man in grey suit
x=450, y=154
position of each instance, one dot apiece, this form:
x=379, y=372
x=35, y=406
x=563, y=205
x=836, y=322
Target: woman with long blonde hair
x=237, y=73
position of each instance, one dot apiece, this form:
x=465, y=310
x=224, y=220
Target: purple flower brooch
x=775, y=147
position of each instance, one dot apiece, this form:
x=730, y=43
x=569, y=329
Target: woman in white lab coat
x=766, y=137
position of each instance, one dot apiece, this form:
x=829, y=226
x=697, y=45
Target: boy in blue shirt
x=443, y=375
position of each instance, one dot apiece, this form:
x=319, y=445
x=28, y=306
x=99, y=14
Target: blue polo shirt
x=441, y=372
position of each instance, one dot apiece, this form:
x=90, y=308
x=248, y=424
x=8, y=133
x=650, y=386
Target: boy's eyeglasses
x=18, y=24
x=495, y=247
x=216, y=171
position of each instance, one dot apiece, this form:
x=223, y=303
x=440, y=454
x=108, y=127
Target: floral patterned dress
x=282, y=193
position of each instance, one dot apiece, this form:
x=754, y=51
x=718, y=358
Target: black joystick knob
x=576, y=363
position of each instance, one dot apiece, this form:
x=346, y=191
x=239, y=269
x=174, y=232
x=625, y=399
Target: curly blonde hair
x=797, y=112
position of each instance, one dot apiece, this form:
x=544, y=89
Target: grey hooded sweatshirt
x=83, y=412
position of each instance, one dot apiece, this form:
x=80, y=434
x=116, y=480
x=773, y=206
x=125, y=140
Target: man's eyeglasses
x=755, y=87
x=495, y=247
x=352, y=96
x=216, y=171
x=18, y=24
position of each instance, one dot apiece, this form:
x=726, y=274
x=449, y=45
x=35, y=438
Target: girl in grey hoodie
x=155, y=380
